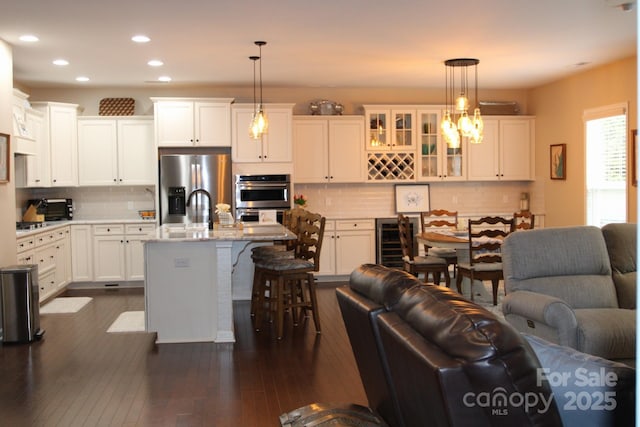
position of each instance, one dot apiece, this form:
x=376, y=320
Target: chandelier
x=456, y=122
x=259, y=123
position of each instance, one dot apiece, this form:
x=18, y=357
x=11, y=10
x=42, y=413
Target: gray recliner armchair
x=559, y=287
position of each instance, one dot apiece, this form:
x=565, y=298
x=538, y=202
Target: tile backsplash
x=378, y=200
x=96, y=202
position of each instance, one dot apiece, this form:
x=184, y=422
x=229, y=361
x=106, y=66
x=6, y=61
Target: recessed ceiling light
x=155, y=63
x=61, y=62
x=29, y=38
x=82, y=79
x=141, y=39
x=164, y=79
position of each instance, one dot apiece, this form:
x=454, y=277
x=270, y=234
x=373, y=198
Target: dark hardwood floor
x=80, y=375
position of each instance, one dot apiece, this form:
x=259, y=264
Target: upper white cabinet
x=116, y=151
x=390, y=127
x=274, y=146
x=34, y=170
x=24, y=134
x=506, y=152
x=328, y=149
x=437, y=161
x=60, y=130
x=203, y=122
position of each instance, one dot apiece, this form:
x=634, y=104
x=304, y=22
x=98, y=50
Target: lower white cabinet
x=50, y=250
x=118, y=251
x=347, y=243
x=82, y=252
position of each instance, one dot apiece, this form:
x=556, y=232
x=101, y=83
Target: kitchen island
x=190, y=273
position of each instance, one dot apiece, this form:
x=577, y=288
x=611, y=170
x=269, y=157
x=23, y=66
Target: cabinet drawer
x=355, y=224
x=45, y=257
x=26, y=243
x=47, y=284
x=61, y=233
x=108, y=229
x=45, y=238
x=141, y=229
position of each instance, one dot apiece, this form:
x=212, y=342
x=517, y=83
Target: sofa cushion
x=570, y=263
x=607, y=332
x=586, y=387
x=380, y=284
x=621, y=240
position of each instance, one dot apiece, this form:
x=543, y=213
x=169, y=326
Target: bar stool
x=291, y=282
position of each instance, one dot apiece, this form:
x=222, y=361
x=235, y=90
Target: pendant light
x=456, y=122
x=259, y=123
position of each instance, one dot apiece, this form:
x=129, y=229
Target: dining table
x=458, y=240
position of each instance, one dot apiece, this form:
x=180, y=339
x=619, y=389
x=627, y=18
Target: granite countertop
x=242, y=231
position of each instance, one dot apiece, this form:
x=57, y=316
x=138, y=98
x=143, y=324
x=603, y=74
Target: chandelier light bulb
x=464, y=124
x=462, y=103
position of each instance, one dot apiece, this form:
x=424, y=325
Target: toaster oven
x=53, y=209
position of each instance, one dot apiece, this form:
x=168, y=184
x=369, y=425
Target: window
x=606, y=165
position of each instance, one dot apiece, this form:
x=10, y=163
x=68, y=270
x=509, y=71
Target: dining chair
x=523, y=220
x=417, y=265
x=291, y=282
x=485, y=257
x=440, y=219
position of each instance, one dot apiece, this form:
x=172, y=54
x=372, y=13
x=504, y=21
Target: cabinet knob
x=191, y=140
x=121, y=241
x=115, y=180
x=197, y=141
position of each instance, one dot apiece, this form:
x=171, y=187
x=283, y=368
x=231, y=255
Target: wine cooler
x=388, y=249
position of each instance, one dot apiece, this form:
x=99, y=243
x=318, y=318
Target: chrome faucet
x=206, y=193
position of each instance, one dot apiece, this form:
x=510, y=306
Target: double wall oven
x=261, y=192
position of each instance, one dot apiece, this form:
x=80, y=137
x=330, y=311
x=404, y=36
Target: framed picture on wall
x=412, y=198
x=633, y=153
x=558, y=158
x=5, y=157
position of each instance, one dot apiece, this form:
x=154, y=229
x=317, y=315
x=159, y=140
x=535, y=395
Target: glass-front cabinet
x=390, y=129
x=437, y=161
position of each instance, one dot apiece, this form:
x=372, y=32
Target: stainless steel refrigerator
x=182, y=173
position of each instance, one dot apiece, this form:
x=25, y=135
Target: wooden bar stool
x=291, y=282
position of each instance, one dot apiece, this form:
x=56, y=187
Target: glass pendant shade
x=456, y=122
x=462, y=103
x=259, y=124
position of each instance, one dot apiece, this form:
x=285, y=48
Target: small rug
x=129, y=321
x=65, y=305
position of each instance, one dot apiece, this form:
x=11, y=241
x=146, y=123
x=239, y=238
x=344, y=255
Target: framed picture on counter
x=558, y=158
x=412, y=198
x=5, y=158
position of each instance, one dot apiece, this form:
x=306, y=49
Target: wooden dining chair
x=485, y=257
x=416, y=265
x=523, y=220
x=440, y=219
x=291, y=283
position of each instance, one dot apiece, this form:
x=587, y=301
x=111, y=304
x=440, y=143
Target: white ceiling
x=318, y=43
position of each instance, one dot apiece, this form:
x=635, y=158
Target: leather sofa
x=560, y=286
x=428, y=356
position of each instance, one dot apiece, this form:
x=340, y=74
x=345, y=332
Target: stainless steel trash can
x=19, y=303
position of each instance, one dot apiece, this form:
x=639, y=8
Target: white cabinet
x=328, y=149
x=390, y=127
x=117, y=251
x=116, y=151
x=437, y=161
x=23, y=139
x=108, y=252
x=60, y=130
x=347, y=244
x=506, y=151
x=50, y=251
x=82, y=253
x=274, y=146
x=203, y=122
x=134, y=250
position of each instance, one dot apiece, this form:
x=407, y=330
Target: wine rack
x=390, y=166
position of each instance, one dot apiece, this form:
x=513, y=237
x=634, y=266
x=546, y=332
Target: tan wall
x=558, y=108
x=7, y=191
x=352, y=99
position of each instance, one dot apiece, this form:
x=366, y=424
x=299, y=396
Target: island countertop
x=198, y=232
